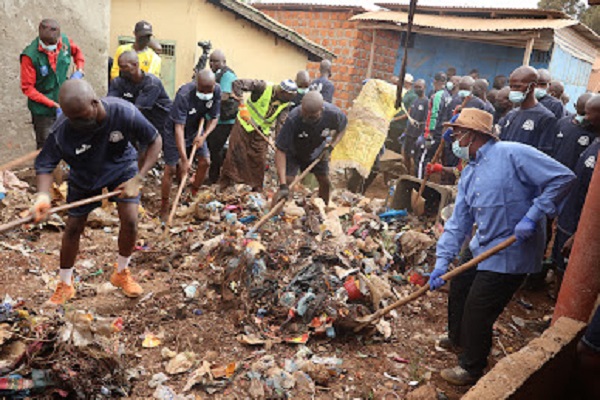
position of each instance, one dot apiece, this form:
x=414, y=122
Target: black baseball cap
x=143, y=28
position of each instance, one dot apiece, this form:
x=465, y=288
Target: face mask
x=48, y=47
x=125, y=75
x=460, y=152
x=580, y=118
x=419, y=92
x=84, y=124
x=517, y=97
x=449, y=85
x=204, y=96
x=539, y=93
x=464, y=93
x=302, y=91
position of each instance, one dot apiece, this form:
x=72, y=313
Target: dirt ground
x=209, y=324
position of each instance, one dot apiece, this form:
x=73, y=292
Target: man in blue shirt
x=303, y=83
x=571, y=213
x=555, y=106
x=573, y=135
x=142, y=89
x=308, y=131
x=480, y=88
x=225, y=77
x=194, y=102
x=94, y=137
x=531, y=123
x=506, y=189
x=322, y=84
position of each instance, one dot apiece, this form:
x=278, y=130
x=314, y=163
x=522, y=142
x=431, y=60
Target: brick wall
x=333, y=30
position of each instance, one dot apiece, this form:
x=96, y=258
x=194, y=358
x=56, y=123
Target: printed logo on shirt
x=128, y=95
x=209, y=104
x=325, y=132
x=303, y=135
x=560, y=135
x=44, y=70
x=82, y=149
x=584, y=141
x=192, y=111
x=420, y=108
x=590, y=162
x=316, y=87
x=528, y=125
x=115, y=136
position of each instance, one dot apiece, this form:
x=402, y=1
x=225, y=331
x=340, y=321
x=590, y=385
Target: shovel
x=370, y=319
x=417, y=201
x=277, y=208
x=29, y=218
x=20, y=160
x=182, y=184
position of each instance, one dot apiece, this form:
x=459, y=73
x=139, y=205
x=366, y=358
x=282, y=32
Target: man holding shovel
x=94, y=136
x=303, y=137
x=506, y=189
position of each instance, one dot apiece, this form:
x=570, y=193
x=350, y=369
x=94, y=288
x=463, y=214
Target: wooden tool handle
x=20, y=160
x=64, y=207
x=435, y=158
x=275, y=210
x=447, y=276
x=261, y=134
x=183, y=180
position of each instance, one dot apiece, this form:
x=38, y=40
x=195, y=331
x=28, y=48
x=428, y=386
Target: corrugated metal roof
x=360, y=5
x=316, y=52
x=529, y=12
x=467, y=24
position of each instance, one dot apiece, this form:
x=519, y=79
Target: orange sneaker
x=124, y=281
x=62, y=294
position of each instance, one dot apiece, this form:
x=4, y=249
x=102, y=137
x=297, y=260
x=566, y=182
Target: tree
x=576, y=9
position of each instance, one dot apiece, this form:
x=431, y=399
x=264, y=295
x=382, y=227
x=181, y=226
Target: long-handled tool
x=260, y=133
x=365, y=321
x=183, y=182
x=277, y=207
x=20, y=160
x=64, y=207
x=417, y=201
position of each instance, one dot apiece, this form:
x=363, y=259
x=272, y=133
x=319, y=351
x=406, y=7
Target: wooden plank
x=372, y=55
x=528, y=50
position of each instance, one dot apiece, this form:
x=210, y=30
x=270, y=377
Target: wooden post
x=372, y=56
x=528, y=50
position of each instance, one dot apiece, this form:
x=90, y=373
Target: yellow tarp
x=368, y=123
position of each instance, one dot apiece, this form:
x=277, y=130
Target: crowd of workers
x=522, y=162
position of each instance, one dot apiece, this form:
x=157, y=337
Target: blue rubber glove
x=77, y=75
x=448, y=132
x=525, y=229
x=58, y=112
x=420, y=141
x=441, y=267
x=402, y=138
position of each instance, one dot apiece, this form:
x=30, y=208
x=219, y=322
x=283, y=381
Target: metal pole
x=411, y=14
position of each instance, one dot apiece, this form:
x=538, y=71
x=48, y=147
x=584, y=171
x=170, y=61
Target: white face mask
x=460, y=151
x=48, y=47
x=204, y=96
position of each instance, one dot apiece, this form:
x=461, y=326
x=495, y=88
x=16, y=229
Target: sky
x=456, y=3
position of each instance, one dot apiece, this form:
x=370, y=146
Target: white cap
x=409, y=78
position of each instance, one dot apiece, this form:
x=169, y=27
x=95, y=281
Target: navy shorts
x=171, y=154
x=75, y=193
x=592, y=335
x=293, y=166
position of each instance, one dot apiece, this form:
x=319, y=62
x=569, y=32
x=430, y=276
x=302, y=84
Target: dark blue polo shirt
x=300, y=140
x=325, y=87
x=534, y=126
x=418, y=111
x=570, y=141
x=188, y=110
x=100, y=157
x=554, y=105
x=149, y=96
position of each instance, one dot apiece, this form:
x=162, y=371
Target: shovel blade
x=417, y=203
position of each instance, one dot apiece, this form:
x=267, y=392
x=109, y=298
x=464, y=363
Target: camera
x=205, y=44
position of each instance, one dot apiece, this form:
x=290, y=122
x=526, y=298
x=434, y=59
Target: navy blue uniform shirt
x=188, y=110
x=554, y=105
x=570, y=141
x=418, y=112
x=149, y=96
x=534, y=126
x=300, y=140
x=100, y=157
x=325, y=87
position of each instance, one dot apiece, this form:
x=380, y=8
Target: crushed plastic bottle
x=304, y=302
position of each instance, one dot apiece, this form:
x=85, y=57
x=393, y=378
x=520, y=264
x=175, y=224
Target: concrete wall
x=251, y=52
x=86, y=22
x=333, y=30
x=431, y=54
